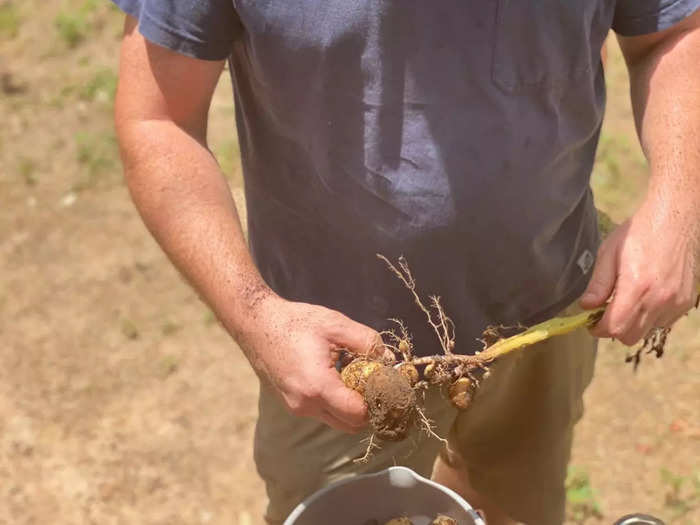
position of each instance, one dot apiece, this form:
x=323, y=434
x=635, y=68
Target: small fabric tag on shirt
x=585, y=261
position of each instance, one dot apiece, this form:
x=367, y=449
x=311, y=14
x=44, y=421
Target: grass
x=228, y=155
x=682, y=493
x=169, y=365
x=10, y=20
x=616, y=160
x=72, y=27
x=129, y=329
x=581, y=500
x=27, y=170
x=170, y=328
x=209, y=318
x=101, y=87
x=96, y=153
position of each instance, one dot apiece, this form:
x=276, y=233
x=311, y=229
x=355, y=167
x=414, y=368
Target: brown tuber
x=461, y=392
x=388, y=393
x=356, y=373
x=409, y=371
x=391, y=403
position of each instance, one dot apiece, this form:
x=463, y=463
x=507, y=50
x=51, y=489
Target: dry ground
x=122, y=401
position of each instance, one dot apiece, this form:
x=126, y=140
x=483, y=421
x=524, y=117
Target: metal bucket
x=391, y=493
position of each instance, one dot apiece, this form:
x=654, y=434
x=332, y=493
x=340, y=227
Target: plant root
x=654, y=343
x=371, y=447
x=428, y=426
x=389, y=388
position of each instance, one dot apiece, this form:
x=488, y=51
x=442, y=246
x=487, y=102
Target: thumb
x=344, y=403
x=359, y=339
x=604, y=277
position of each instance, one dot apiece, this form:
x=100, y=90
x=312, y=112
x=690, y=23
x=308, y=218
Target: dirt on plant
x=391, y=403
x=121, y=399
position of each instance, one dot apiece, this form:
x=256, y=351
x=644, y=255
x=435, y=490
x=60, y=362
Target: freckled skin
x=652, y=260
x=184, y=199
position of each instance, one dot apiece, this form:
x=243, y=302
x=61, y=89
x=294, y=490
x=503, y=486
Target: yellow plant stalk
x=542, y=331
x=444, y=327
x=557, y=325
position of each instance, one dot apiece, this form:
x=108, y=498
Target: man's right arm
x=161, y=113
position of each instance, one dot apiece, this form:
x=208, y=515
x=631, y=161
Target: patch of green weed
x=682, y=492
x=581, y=500
x=90, y=6
x=618, y=173
x=169, y=365
x=96, y=153
x=72, y=27
x=129, y=329
x=9, y=20
x=209, y=318
x=102, y=86
x=27, y=169
x=170, y=327
x=228, y=154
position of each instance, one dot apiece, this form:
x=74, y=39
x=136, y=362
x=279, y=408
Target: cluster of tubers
x=392, y=388
x=391, y=393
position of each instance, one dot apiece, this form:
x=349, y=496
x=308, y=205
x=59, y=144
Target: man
x=460, y=134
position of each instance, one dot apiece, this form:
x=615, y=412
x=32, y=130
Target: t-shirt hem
x=567, y=299
x=660, y=20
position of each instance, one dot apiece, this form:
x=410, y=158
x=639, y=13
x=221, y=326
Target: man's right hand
x=294, y=347
x=161, y=117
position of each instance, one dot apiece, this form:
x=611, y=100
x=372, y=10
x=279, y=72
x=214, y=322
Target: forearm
x=665, y=88
x=185, y=202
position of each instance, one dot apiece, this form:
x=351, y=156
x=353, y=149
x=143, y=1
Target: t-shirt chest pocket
x=544, y=43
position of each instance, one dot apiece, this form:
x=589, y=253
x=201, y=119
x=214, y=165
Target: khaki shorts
x=514, y=440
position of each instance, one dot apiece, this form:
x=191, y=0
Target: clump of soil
x=391, y=403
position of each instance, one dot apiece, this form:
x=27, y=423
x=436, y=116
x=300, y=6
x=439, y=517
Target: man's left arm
x=650, y=263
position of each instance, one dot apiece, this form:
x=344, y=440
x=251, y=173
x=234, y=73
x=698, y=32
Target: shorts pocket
x=545, y=43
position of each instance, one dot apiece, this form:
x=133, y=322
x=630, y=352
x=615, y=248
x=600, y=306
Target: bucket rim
x=390, y=472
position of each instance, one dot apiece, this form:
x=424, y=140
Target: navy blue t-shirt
x=460, y=134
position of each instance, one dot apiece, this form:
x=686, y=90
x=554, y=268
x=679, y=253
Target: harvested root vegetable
x=355, y=374
x=461, y=392
x=391, y=403
x=391, y=389
x=410, y=372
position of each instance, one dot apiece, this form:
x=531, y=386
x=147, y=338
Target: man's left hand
x=647, y=268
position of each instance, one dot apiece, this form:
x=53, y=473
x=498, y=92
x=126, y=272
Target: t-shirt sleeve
x=639, y=17
x=204, y=29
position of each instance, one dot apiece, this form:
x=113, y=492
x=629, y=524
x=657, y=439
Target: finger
x=344, y=403
x=673, y=306
x=358, y=338
x=644, y=323
x=335, y=423
x=622, y=316
x=603, y=279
